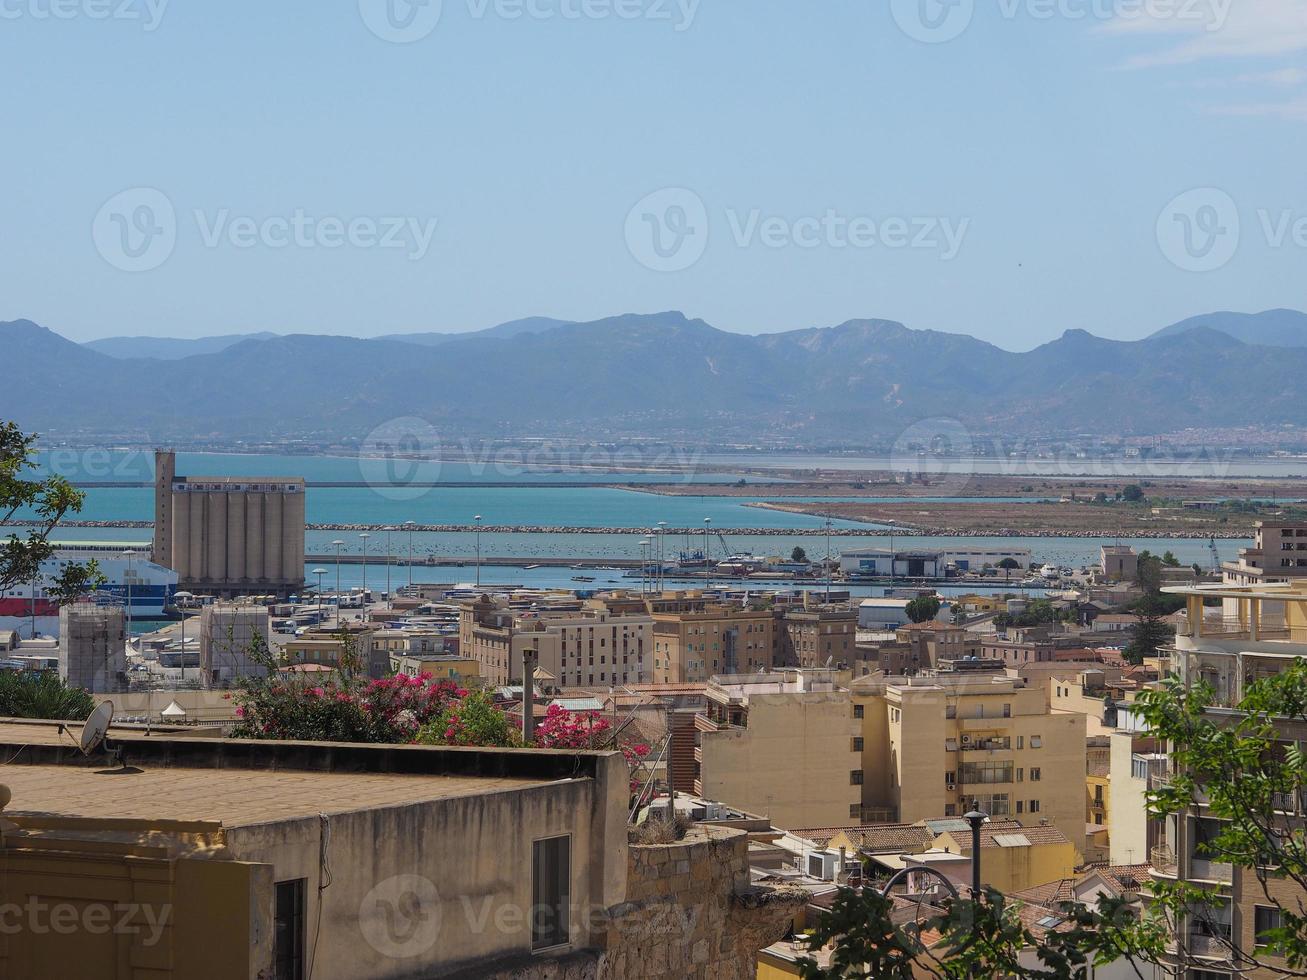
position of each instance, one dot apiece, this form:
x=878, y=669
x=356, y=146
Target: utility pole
x=410, y=525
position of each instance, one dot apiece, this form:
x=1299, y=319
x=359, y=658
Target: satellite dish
x=96, y=728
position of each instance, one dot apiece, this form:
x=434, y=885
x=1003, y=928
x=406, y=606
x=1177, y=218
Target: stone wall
x=691, y=911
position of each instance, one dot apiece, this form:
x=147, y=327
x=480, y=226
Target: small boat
x=583, y=578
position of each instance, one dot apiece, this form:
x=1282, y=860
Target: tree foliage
x=43, y=502
x=29, y=694
x=923, y=608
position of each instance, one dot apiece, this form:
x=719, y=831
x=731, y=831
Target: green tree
x=1150, y=632
x=798, y=554
x=1170, y=561
x=44, y=503
x=1009, y=565
x=923, y=608
x=1132, y=493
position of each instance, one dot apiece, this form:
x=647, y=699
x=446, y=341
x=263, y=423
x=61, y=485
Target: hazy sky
x=1009, y=168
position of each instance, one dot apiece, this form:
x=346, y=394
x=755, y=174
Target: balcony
x=1163, y=861
x=1003, y=744
x=1208, y=946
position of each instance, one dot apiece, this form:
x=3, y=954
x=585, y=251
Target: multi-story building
x=229, y=535
x=932, y=643
x=1278, y=554
x=783, y=745
x=93, y=647
x=947, y=744
x=228, y=634
x=1118, y=563
x=584, y=648
x=695, y=638
x=1264, y=628
x=818, y=636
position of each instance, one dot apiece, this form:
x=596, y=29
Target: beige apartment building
x=819, y=636
x=585, y=648
x=695, y=639
x=943, y=745
x=784, y=745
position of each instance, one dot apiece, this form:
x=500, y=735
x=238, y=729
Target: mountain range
x=666, y=375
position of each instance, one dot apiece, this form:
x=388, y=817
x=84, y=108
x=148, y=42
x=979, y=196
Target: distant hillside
x=1273, y=328
x=514, y=328
x=661, y=374
x=168, y=348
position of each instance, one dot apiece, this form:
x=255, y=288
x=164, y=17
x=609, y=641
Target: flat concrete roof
x=233, y=797
x=174, y=775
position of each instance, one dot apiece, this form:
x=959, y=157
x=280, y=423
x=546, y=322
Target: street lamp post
x=390, y=604
x=409, y=525
x=645, y=549
x=365, y=535
x=707, y=565
x=319, y=572
x=339, y=544
x=828, y=559
x=477, y=519
x=662, y=556
x=131, y=570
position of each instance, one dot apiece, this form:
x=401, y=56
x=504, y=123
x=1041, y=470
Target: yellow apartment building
x=694, y=639
x=940, y=746
x=785, y=746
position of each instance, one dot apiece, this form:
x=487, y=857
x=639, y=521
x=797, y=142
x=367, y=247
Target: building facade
x=229, y=536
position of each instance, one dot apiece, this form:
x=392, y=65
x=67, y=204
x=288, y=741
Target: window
x=857, y=743
x=855, y=777
x=950, y=778
x=1007, y=711
x=1034, y=806
x=951, y=711
x=1265, y=918
x=950, y=810
x=855, y=811
x=551, y=878
x=1034, y=774
x=1019, y=806
x=1036, y=741
x=1021, y=741
x=857, y=711
x=288, y=930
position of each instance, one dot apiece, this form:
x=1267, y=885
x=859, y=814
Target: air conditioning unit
x=966, y=739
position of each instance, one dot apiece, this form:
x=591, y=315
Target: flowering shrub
x=563, y=729
x=342, y=710
x=473, y=720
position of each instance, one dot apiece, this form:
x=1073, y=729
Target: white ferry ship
x=28, y=608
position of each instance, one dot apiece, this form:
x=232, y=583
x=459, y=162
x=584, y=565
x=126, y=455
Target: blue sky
x=1008, y=168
